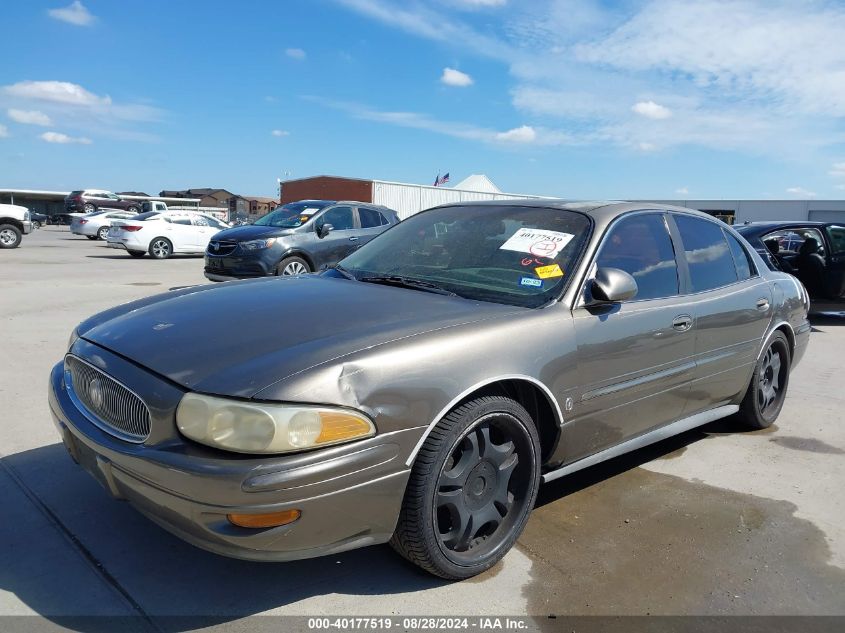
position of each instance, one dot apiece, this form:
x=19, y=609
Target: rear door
x=340, y=241
x=732, y=308
x=635, y=358
x=372, y=222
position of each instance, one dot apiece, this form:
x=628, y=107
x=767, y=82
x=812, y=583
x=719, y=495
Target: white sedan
x=163, y=234
x=96, y=225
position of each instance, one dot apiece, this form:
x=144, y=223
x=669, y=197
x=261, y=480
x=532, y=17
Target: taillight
x=131, y=227
x=83, y=221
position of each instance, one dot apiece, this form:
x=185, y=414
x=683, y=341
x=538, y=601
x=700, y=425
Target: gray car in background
x=420, y=391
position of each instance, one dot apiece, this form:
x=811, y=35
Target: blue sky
x=573, y=98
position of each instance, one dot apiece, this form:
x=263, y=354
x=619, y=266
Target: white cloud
x=56, y=92
x=280, y=133
x=682, y=191
x=522, y=134
x=64, y=139
x=295, y=53
x=452, y=77
x=837, y=170
x=74, y=13
x=801, y=192
x=645, y=146
x=840, y=187
x=651, y=110
x=4, y=131
x=29, y=117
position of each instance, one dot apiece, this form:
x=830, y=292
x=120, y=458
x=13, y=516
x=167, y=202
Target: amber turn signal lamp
x=271, y=519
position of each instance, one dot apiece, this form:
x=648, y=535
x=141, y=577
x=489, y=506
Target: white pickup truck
x=14, y=223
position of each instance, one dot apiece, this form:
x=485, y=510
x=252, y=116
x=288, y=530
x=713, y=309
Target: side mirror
x=323, y=230
x=611, y=285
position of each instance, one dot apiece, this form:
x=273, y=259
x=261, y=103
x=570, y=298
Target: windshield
x=520, y=256
x=291, y=215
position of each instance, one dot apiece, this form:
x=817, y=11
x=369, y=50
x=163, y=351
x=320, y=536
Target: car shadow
x=169, y=578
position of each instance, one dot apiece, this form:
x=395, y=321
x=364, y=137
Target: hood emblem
x=215, y=246
x=95, y=392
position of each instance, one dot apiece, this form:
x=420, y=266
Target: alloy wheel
x=481, y=489
x=769, y=384
x=294, y=268
x=160, y=249
x=8, y=237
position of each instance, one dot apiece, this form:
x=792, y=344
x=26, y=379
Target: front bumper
x=349, y=496
x=248, y=265
x=27, y=227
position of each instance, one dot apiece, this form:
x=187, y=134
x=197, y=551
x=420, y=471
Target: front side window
x=641, y=246
x=711, y=264
x=836, y=235
x=522, y=256
x=340, y=218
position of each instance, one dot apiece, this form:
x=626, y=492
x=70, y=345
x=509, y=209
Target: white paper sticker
x=537, y=242
x=309, y=211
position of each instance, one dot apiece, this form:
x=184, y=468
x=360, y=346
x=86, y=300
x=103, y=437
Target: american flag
x=441, y=180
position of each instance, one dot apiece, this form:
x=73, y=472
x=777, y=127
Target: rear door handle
x=682, y=323
x=762, y=304
x=353, y=239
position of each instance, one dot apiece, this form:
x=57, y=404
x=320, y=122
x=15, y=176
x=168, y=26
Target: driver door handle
x=682, y=323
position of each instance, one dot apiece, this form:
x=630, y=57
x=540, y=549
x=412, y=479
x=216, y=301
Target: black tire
x=469, y=495
x=102, y=233
x=88, y=207
x=767, y=391
x=10, y=236
x=91, y=237
x=36, y=224
x=292, y=265
x=160, y=248
x=136, y=253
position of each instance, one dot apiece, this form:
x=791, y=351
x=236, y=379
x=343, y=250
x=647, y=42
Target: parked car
x=14, y=223
x=299, y=237
x=95, y=226
x=420, y=391
x=88, y=200
x=162, y=234
x=812, y=251
x=38, y=219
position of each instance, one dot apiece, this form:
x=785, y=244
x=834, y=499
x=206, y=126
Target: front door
x=340, y=241
x=635, y=358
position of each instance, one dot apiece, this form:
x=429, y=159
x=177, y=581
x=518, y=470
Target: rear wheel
x=160, y=248
x=10, y=236
x=133, y=209
x=36, y=224
x=103, y=233
x=764, y=399
x=292, y=266
x=471, y=489
x=88, y=207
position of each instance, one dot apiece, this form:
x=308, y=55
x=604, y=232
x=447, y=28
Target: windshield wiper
x=343, y=271
x=407, y=282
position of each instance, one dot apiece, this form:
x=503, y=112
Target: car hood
x=251, y=232
x=239, y=337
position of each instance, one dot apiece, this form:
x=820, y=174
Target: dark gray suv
x=296, y=238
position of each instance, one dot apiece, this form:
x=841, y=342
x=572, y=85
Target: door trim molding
x=662, y=433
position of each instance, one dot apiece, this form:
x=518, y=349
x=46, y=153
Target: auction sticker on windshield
x=538, y=242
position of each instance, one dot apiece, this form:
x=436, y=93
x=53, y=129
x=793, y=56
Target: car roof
x=601, y=210
x=760, y=228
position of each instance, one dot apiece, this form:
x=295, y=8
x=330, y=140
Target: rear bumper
x=348, y=498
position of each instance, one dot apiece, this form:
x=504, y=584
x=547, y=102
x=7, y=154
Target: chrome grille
x=221, y=247
x=106, y=402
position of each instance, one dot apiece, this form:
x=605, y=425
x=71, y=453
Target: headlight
x=254, y=245
x=254, y=427
x=74, y=336
x=27, y=216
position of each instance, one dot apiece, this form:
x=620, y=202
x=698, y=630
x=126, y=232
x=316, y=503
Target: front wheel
x=160, y=248
x=103, y=233
x=10, y=236
x=764, y=399
x=471, y=489
x=89, y=208
x=292, y=266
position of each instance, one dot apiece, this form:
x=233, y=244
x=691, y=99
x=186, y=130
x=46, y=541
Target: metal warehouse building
x=408, y=199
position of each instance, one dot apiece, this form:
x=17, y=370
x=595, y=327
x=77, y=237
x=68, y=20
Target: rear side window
x=640, y=245
x=711, y=264
x=744, y=266
x=370, y=218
